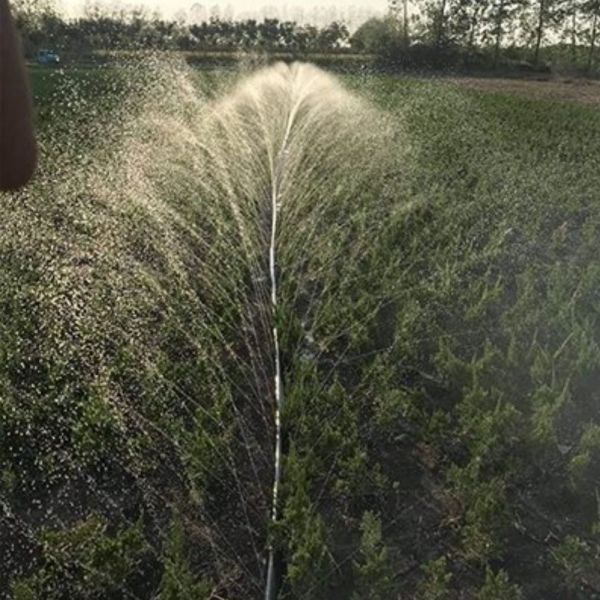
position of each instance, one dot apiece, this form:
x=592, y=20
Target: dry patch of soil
x=584, y=91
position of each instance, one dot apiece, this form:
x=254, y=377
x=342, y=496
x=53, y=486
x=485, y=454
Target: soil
x=584, y=91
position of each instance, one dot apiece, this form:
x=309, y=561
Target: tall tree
x=398, y=15
x=377, y=36
x=541, y=23
x=572, y=26
x=499, y=19
x=333, y=37
x=440, y=18
x=591, y=10
x=435, y=19
x=545, y=15
x=34, y=19
x=465, y=21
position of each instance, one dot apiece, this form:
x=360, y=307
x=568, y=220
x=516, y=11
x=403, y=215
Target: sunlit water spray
x=180, y=270
x=294, y=123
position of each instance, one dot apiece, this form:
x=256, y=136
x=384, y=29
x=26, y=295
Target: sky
x=243, y=8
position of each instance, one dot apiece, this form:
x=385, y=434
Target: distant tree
x=38, y=21
x=499, y=19
x=465, y=21
x=311, y=34
x=436, y=15
x=440, y=32
x=248, y=33
x=591, y=11
x=32, y=12
x=269, y=33
x=543, y=15
x=333, y=37
x=571, y=32
x=376, y=36
x=287, y=35
x=400, y=16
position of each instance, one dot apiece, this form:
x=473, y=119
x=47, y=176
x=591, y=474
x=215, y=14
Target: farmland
x=438, y=322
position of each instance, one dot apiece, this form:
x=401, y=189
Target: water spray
x=162, y=265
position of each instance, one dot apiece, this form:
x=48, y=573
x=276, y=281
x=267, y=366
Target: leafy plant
x=436, y=582
x=497, y=586
x=373, y=573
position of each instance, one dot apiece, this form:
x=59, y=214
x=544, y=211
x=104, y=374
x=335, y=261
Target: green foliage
x=377, y=36
x=514, y=35
x=85, y=562
x=575, y=559
x=588, y=447
x=497, y=586
x=178, y=581
x=484, y=504
x=303, y=533
x=436, y=582
x=373, y=572
x=100, y=29
x=439, y=331
x=204, y=448
x=98, y=430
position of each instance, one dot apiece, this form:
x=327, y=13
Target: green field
x=439, y=323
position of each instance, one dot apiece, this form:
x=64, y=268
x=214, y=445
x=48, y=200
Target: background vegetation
x=442, y=421
x=521, y=36
x=439, y=323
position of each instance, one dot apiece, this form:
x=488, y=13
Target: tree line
x=489, y=32
x=98, y=29
x=423, y=33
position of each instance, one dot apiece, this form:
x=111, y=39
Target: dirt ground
x=584, y=91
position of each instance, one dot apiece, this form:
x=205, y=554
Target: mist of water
x=158, y=268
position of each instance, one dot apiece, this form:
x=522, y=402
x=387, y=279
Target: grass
x=439, y=330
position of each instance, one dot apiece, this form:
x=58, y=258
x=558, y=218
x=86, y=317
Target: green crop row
x=440, y=332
